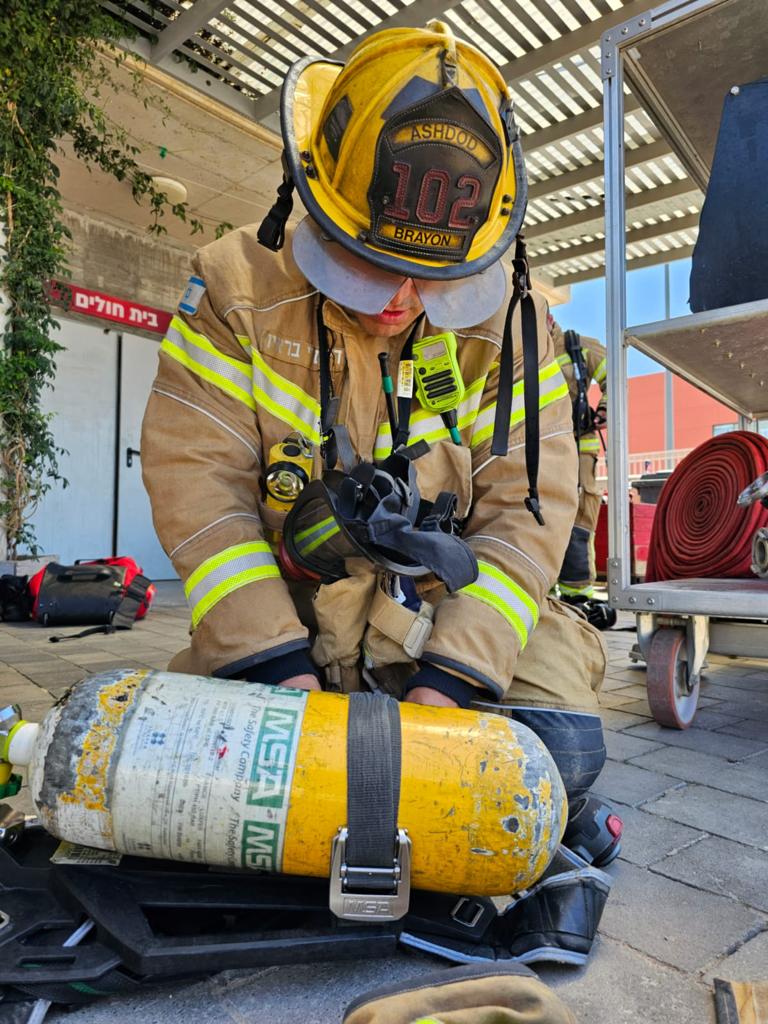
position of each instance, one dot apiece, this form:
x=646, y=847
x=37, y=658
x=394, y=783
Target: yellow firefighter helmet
x=408, y=157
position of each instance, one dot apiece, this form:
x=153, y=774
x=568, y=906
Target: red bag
x=109, y=591
x=131, y=570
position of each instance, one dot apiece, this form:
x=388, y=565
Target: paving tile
x=638, y=707
x=58, y=676
x=673, y=922
x=619, y=718
x=622, y=986
x=611, y=685
x=621, y=746
x=733, y=748
x=83, y=657
x=748, y=778
x=748, y=728
x=737, y=818
x=113, y=664
x=723, y=867
x=625, y=784
x=159, y=664
x=35, y=660
x=647, y=838
x=9, y=675
x=35, y=711
x=12, y=693
x=734, y=697
x=756, y=682
x=611, y=699
x=713, y=718
x=748, y=963
x=635, y=691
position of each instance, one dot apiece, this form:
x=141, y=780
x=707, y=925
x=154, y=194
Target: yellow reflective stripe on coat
x=587, y=591
x=307, y=540
x=589, y=444
x=285, y=400
x=499, y=591
x=201, y=356
x=599, y=375
x=230, y=569
x=552, y=386
x=426, y=426
x=564, y=360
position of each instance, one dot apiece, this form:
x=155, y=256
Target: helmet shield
x=362, y=287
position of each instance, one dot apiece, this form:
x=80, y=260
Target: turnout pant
x=577, y=575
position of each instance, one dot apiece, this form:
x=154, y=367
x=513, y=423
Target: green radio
x=439, y=384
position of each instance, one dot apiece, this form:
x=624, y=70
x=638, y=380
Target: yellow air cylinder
x=240, y=775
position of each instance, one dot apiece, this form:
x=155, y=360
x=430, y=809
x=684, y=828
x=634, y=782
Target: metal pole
x=669, y=406
x=619, y=565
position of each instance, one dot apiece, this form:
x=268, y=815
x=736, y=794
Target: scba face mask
x=376, y=512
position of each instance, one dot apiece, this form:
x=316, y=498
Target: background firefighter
x=582, y=361
x=409, y=164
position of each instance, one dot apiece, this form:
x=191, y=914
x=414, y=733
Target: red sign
x=107, y=307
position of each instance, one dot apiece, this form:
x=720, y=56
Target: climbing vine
x=58, y=60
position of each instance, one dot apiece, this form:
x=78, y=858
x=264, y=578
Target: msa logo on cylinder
x=272, y=759
x=259, y=845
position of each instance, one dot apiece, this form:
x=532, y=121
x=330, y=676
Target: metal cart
x=680, y=59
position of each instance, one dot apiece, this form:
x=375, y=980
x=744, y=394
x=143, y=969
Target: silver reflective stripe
x=284, y=399
x=232, y=568
x=494, y=588
x=197, y=349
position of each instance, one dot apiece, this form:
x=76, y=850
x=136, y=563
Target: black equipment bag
x=730, y=260
x=91, y=594
x=15, y=599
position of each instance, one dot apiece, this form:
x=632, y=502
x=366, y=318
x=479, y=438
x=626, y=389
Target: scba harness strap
x=582, y=412
x=521, y=296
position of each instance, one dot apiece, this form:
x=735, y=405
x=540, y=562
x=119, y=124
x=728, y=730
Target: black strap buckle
x=534, y=507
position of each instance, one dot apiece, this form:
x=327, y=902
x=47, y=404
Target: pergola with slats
x=238, y=52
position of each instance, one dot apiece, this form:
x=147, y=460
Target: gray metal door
x=135, y=534
x=76, y=521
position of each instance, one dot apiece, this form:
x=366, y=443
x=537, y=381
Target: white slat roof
x=239, y=51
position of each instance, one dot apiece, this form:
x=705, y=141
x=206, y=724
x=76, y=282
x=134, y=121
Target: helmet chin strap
x=271, y=233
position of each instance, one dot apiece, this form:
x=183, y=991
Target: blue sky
x=585, y=312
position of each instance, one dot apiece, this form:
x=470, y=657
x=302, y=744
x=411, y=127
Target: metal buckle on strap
x=370, y=894
x=467, y=912
x=419, y=631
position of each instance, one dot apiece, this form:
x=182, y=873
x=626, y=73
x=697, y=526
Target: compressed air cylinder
x=240, y=775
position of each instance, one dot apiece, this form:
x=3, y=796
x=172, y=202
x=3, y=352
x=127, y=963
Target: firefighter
x=582, y=361
x=408, y=162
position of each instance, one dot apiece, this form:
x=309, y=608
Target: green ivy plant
x=57, y=59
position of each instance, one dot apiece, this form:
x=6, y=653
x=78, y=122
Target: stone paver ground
x=690, y=895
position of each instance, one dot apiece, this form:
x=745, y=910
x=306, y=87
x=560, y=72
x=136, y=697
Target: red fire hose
x=699, y=530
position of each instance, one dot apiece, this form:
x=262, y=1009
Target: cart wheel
x=673, y=700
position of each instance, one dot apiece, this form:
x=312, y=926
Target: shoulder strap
x=500, y=445
x=373, y=782
x=404, y=402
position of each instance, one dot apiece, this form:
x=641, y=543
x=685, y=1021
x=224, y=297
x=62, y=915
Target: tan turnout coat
x=241, y=373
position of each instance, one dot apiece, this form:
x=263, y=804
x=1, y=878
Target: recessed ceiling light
x=176, y=192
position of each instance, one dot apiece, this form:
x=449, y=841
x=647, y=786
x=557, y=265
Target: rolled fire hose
x=699, y=528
